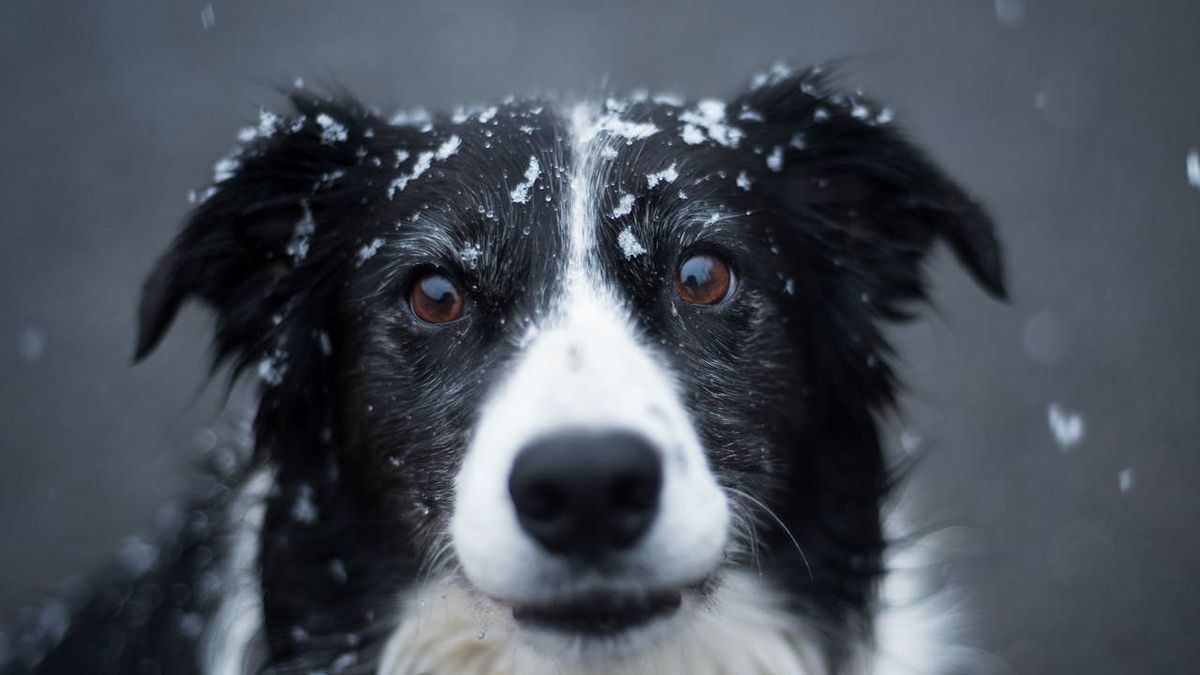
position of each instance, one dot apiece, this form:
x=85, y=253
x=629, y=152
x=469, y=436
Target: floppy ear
x=836, y=165
x=254, y=227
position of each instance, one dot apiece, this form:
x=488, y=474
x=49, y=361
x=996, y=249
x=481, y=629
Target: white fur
x=918, y=627
x=742, y=631
x=228, y=640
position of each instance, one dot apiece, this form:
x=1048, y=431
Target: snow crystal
x=614, y=125
x=31, y=342
x=417, y=117
x=325, y=343
x=224, y=169
x=743, y=181
x=208, y=17
x=470, y=255
x=138, y=556
x=424, y=161
x=520, y=193
x=682, y=194
x=778, y=73
x=401, y=157
x=298, y=82
x=301, y=237
x=885, y=116
x=820, y=114
x=692, y=135
x=709, y=116
x=304, y=510
x=625, y=206
x=798, y=142
x=775, y=159
x=332, y=131
x=449, y=148
x=268, y=122
x=1193, y=168
x=667, y=175
x=1125, y=480
x=1067, y=427
x=629, y=244
x=860, y=111
x=487, y=115
x=789, y=287
x=272, y=368
x=608, y=152
x=614, y=105
x=369, y=250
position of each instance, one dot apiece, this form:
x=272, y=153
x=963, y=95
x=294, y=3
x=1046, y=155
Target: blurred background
x=1060, y=429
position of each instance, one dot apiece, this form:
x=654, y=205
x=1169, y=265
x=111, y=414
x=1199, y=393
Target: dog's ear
x=254, y=226
x=837, y=165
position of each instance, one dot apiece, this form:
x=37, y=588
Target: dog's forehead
x=537, y=164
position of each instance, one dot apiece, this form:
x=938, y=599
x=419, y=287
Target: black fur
x=365, y=410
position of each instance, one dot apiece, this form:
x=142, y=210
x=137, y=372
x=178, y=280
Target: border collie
x=549, y=389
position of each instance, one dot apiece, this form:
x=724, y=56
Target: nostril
x=584, y=492
x=540, y=501
x=634, y=491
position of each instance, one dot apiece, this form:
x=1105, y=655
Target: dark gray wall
x=1071, y=119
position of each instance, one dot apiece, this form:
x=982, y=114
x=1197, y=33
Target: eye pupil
x=703, y=280
x=435, y=299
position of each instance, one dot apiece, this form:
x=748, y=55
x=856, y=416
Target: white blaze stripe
x=584, y=369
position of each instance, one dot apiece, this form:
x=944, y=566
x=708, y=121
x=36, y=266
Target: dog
x=548, y=388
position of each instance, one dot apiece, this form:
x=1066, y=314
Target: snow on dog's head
x=605, y=377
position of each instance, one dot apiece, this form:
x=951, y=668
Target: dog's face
x=584, y=365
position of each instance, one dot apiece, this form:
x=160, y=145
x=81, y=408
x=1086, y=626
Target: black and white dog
x=550, y=389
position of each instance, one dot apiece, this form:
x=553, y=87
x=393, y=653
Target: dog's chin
x=601, y=624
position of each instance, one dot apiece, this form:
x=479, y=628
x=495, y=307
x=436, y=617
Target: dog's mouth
x=599, y=613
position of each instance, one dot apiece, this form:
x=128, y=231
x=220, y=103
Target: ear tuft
x=161, y=299
x=253, y=228
x=972, y=238
x=855, y=174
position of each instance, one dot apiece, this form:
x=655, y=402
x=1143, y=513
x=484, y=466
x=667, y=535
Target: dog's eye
x=435, y=299
x=703, y=279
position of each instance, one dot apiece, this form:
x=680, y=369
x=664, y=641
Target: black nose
x=586, y=493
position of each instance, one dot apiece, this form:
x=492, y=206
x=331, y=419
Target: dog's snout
x=586, y=493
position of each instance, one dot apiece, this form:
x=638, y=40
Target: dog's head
x=586, y=364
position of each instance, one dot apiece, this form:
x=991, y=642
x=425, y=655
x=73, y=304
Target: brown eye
x=435, y=299
x=703, y=279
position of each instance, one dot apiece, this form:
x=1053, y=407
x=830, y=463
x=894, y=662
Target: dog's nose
x=586, y=493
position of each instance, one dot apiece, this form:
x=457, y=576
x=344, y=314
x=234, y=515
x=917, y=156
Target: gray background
x=1071, y=119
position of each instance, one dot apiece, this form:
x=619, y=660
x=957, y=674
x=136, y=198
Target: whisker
x=779, y=521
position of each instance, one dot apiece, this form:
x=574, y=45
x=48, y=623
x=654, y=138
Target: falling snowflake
x=1067, y=427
